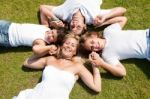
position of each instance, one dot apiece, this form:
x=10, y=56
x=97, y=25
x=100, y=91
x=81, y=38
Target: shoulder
x=113, y=27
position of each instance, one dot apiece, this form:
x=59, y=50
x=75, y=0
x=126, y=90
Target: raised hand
x=98, y=20
x=57, y=24
x=53, y=50
x=95, y=59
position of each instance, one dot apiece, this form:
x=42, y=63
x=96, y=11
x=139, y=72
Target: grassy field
x=14, y=78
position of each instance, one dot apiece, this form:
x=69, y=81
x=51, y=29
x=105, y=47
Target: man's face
x=51, y=36
x=77, y=25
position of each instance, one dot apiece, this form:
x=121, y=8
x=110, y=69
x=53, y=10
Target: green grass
x=14, y=78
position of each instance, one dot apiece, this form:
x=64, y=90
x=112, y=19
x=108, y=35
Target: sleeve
x=112, y=28
x=110, y=58
x=112, y=61
x=58, y=12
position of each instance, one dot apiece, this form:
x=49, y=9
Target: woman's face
x=69, y=47
x=93, y=44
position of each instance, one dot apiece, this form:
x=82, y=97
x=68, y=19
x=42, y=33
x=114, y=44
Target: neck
x=103, y=43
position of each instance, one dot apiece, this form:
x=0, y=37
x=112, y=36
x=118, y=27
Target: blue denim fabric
x=148, y=42
x=4, y=37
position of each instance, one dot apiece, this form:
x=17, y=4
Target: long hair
x=67, y=36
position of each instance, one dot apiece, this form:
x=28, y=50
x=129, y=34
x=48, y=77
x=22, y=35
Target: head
x=51, y=36
x=69, y=46
x=77, y=24
x=92, y=41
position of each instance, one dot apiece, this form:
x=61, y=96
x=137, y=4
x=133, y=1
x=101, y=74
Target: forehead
x=72, y=40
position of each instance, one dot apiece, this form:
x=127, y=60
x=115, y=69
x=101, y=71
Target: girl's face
x=51, y=36
x=93, y=43
x=69, y=47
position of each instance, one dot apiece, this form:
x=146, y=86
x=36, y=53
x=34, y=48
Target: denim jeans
x=148, y=42
x=4, y=37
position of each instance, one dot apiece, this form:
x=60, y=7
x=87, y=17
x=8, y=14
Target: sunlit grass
x=14, y=78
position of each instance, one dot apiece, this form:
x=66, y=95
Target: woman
x=60, y=73
x=116, y=45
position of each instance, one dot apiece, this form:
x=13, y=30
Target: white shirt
x=89, y=9
x=123, y=44
x=25, y=34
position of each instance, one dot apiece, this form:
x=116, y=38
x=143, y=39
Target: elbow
x=121, y=73
x=25, y=64
x=35, y=49
x=122, y=10
x=97, y=89
x=41, y=8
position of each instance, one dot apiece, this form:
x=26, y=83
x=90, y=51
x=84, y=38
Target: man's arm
x=122, y=20
x=115, y=12
x=47, y=17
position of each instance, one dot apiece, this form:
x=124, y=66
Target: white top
x=89, y=9
x=25, y=34
x=123, y=44
x=55, y=84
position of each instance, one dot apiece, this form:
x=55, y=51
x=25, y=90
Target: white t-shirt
x=124, y=44
x=25, y=34
x=89, y=9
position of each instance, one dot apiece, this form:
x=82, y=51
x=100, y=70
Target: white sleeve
x=112, y=27
x=112, y=61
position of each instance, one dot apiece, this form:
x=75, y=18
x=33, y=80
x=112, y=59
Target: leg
x=4, y=39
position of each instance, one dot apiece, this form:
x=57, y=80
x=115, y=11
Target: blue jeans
x=148, y=42
x=4, y=37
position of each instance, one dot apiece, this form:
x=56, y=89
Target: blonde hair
x=67, y=36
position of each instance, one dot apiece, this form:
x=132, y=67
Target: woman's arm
x=35, y=63
x=93, y=81
x=117, y=70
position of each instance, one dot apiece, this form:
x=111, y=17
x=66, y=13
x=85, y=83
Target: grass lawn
x=14, y=78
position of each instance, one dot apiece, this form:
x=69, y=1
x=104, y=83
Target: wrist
x=55, y=19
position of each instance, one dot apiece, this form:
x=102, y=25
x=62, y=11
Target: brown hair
x=90, y=34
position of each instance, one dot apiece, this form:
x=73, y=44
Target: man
x=78, y=13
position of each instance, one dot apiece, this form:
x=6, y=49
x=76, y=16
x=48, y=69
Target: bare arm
x=35, y=63
x=118, y=11
x=122, y=20
x=117, y=70
x=47, y=17
x=41, y=49
x=115, y=12
x=93, y=81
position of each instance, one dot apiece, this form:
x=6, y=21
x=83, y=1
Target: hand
x=57, y=24
x=53, y=49
x=98, y=20
x=95, y=59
